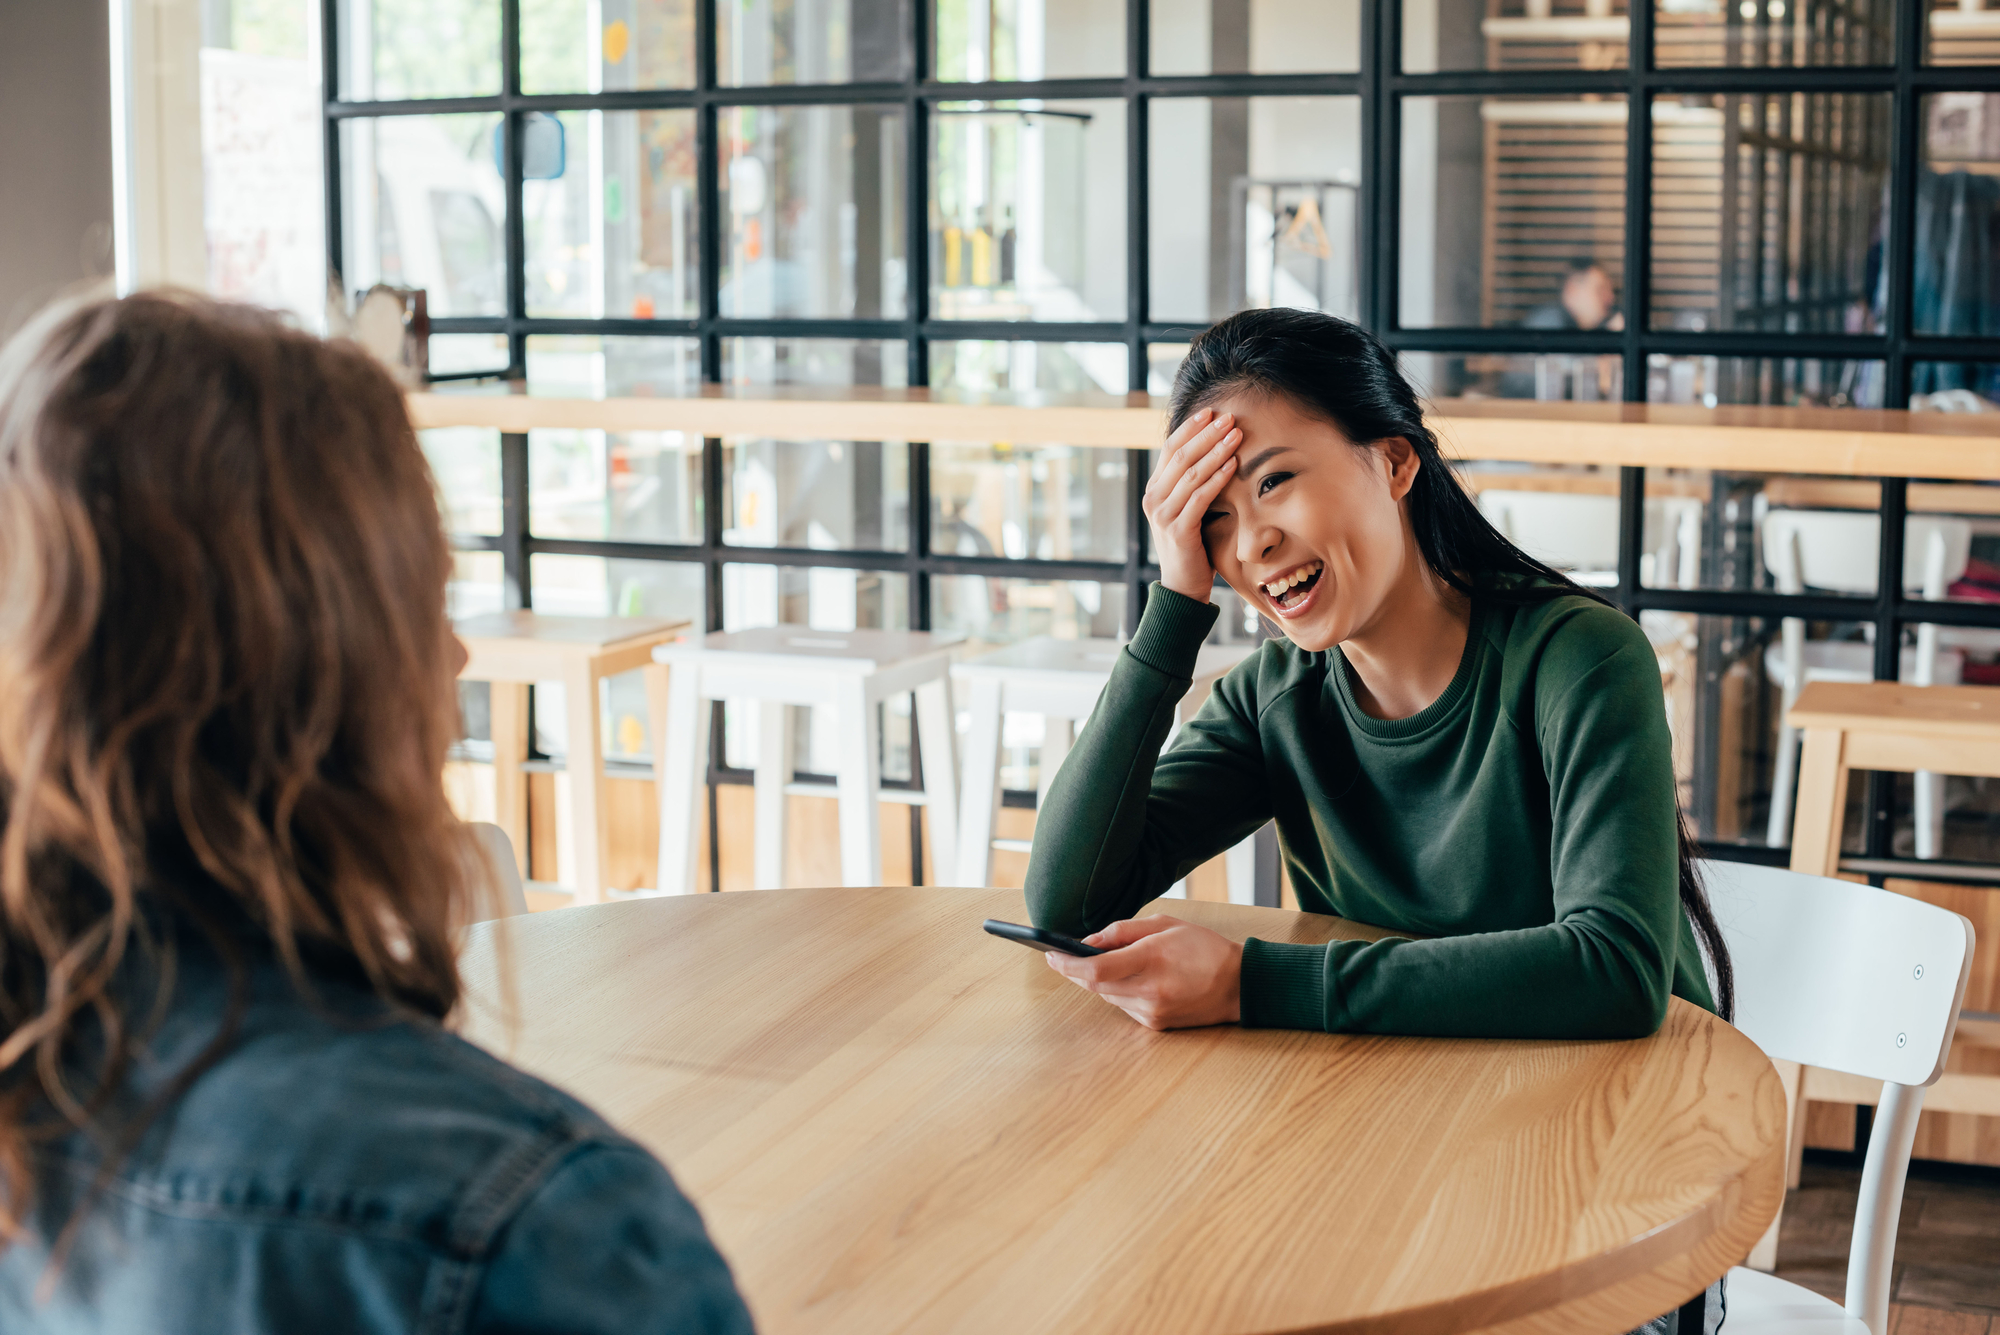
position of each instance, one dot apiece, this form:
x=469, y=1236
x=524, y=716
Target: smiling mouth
x=1290, y=590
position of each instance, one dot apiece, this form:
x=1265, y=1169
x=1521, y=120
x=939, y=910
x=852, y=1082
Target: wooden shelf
x=1839, y=442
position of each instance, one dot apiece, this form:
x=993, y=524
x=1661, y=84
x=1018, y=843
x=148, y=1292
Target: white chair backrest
x=1570, y=531
x=1836, y=549
x=500, y=894
x=1841, y=975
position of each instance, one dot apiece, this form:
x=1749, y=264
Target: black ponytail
x=1342, y=374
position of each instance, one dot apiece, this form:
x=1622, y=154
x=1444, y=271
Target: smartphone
x=1037, y=939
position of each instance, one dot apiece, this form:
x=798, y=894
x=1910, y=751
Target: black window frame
x=1382, y=87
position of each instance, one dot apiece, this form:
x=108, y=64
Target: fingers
x=1127, y=930
x=1196, y=438
x=1095, y=970
x=1211, y=470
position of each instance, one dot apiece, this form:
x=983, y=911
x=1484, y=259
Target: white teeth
x=1277, y=588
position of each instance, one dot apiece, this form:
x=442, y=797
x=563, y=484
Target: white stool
x=845, y=672
x=1060, y=680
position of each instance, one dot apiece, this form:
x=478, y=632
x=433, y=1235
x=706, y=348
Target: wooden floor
x=1947, y=1277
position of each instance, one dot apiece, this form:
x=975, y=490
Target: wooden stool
x=847, y=672
x=1881, y=725
x=1060, y=680
x=513, y=651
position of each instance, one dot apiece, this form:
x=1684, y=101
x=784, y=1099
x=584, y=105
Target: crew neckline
x=1437, y=712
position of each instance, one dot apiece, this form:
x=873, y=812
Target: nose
x=1256, y=541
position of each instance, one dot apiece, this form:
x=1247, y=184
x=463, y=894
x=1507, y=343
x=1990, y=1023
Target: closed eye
x=1212, y=516
x=1270, y=480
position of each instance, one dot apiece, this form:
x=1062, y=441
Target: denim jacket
x=352, y=1171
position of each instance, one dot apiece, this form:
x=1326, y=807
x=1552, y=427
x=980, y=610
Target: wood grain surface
x=896, y=1123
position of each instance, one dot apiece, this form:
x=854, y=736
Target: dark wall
x=55, y=151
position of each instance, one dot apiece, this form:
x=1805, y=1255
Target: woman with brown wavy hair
x=229, y=877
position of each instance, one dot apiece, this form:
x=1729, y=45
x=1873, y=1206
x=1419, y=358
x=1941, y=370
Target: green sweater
x=1524, y=823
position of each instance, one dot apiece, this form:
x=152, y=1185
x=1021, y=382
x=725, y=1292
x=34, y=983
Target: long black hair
x=1342, y=374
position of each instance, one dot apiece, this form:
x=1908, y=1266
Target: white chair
x=1843, y=976
x=498, y=877
x=846, y=672
x=1837, y=550
x=1577, y=532
x=1060, y=680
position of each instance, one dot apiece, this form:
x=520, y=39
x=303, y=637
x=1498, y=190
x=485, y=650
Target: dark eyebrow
x=1251, y=464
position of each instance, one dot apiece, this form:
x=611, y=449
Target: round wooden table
x=894, y=1122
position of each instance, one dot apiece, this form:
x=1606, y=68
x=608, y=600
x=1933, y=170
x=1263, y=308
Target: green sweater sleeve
x=1123, y=822
x=1603, y=968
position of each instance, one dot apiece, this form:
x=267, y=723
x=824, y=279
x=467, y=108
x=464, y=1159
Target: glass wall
x=1687, y=204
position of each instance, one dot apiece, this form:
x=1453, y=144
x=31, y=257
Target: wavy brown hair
x=225, y=691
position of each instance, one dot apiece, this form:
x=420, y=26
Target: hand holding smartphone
x=1035, y=938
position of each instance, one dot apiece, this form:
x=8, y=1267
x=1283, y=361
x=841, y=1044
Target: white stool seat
x=1761, y=1304
x=845, y=672
x=1060, y=680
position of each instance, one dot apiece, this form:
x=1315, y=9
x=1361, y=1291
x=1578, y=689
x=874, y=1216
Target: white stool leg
x=1929, y=815
x=938, y=737
x=679, y=775
x=1784, y=777
x=860, y=778
x=982, y=787
x=1058, y=734
x=1240, y=863
x=774, y=771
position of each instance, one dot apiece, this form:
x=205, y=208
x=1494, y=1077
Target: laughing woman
x=1454, y=740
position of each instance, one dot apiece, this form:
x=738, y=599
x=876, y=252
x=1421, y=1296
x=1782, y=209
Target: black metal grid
x=1382, y=87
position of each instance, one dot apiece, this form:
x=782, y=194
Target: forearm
x=1588, y=977
x=1097, y=857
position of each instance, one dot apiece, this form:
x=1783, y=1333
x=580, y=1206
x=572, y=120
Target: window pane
x=1767, y=211
x=796, y=41
x=1546, y=250
x=822, y=597
x=992, y=610
x=393, y=49
x=812, y=201
x=476, y=585
x=452, y=354
x=1028, y=211
x=466, y=462
x=819, y=493
x=1255, y=37
x=604, y=46
x=615, y=234
x=1724, y=530
x=1786, y=382
x=984, y=366
x=1564, y=516
x=596, y=366
x=597, y=586
x=639, y=485
x=978, y=40
x=1584, y=377
x=1046, y=502
x=1281, y=176
x=424, y=207
x=1775, y=32
x=1514, y=35
x=1958, y=199
x=1958, y=35
x=1955, y=387
x=1724, y=708
x=1951, y=552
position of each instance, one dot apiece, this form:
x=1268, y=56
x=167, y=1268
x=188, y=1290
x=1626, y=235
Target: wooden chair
x=1835, y=975
x=513, y=651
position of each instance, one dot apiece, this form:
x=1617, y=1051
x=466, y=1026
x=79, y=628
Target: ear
x=1401, y=462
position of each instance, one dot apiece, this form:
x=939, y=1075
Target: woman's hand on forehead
x=1199, y=461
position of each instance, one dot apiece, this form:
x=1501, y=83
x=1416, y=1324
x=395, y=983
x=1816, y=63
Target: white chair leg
x=982, y=787
x=679, y=776
x=1058, y=735
x=860, y=776
x=1929, y=814
x=937, y=735
x=774, y=771
x=1784, y=778
x=1241, y=863
x=1883, y=1173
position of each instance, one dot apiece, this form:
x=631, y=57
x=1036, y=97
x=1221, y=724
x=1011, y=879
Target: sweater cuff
x=1171, y=631
x=1283, y=985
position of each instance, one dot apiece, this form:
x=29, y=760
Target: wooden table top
x=1960, y=712
x=894, y=1122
